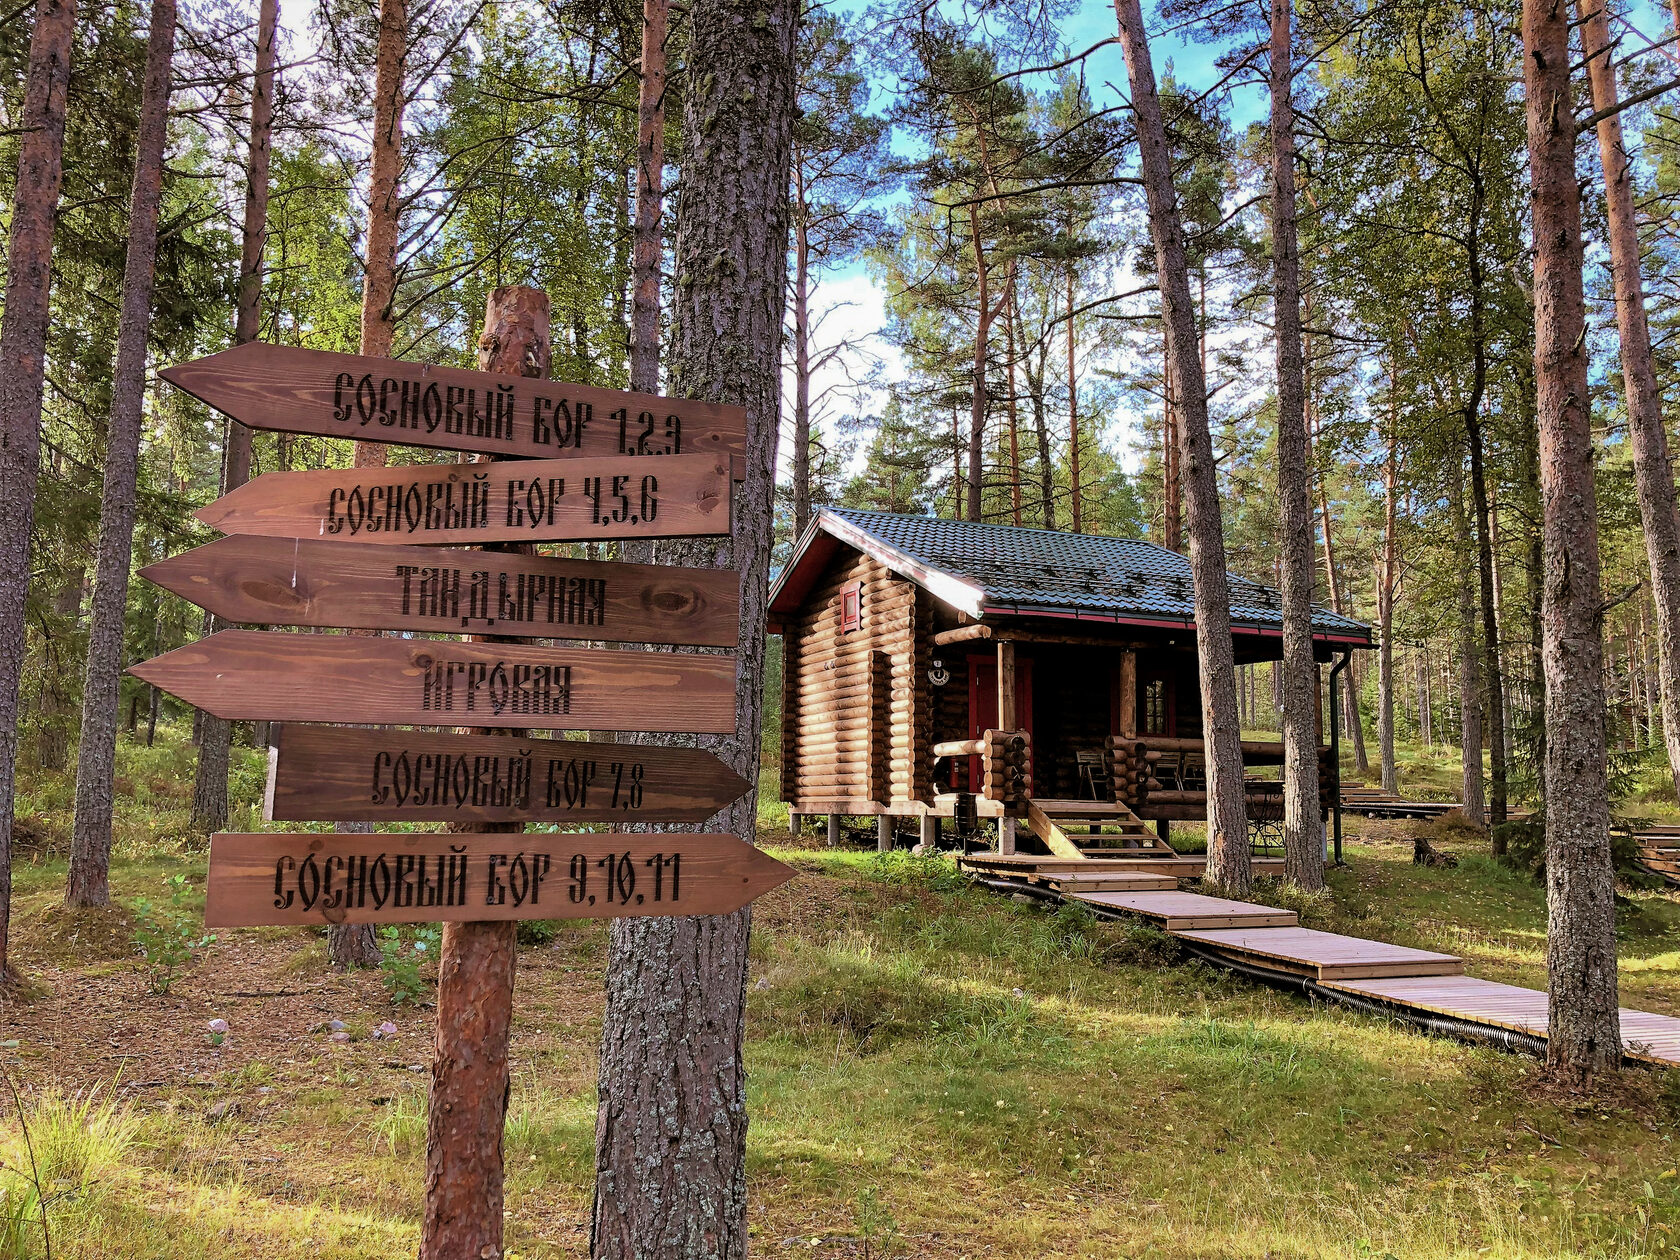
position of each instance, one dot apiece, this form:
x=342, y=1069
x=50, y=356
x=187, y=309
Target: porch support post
x=1006, y=685
x=929, y=829
x=833, y=830
x=1128, y=695
x=1006, y=836
x=884, y=833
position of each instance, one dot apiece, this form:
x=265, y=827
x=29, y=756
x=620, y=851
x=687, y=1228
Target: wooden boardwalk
x=1394, y=976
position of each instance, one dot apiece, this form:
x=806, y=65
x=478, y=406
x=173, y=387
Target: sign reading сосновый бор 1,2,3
x=415, y=877
x=292, y=390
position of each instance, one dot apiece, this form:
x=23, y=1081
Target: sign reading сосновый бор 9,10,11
x=514, y=501
x=416, y=877
x=335, y=773
x=267, y=676
x=291, y=390
x=251, y=580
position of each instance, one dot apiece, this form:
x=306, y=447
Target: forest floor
x=934, y=1071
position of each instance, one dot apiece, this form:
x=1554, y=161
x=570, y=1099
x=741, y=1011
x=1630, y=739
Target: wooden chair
x=1093, y=772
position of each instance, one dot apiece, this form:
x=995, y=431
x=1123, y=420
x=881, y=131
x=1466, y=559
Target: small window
x=851, y=607
x=1155, y=707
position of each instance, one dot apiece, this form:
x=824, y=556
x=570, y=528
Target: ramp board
x=1074, y=882
x=1183, y=911
x=1648, y=1037
x=1326, y=955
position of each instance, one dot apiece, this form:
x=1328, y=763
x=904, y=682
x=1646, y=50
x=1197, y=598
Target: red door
x=983, y=703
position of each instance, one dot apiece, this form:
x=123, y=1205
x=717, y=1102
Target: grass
x=933, y=1070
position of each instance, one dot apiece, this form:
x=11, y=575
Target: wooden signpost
x=336, y=548
x=291, y=390
x=537, y=500
x=255, y=675
x=272, y=878
x=311, y=582
x=330, y=773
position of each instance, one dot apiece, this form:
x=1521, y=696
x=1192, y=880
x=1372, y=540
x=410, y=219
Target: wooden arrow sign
x=538, y=500
x=291, y=390
x=307, y=582
x=335, y=773
x=256, y=675
x=435, y=877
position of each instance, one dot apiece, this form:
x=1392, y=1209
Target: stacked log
x=1007, y=758
x=1132, y=770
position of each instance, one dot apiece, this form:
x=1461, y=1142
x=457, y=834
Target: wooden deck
x=1143, y=861
x=1396, y=976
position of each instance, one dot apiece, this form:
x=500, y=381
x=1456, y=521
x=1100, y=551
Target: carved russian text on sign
x=255, y=675
x=410, y=877
x=331, y=774
x=252, y=580
x=519, y=501
x=292, y=390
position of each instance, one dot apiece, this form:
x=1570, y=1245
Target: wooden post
x=1128, y=694
x=1006, y=685
x=1006, y=836
x=833, y=830
x=884, y=833
x=467, y=1108
x=929, y=830
x=793, y=823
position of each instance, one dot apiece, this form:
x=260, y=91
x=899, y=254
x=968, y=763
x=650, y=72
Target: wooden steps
x=1325, y=955
x=1184, y=911
x=1143, y=861
x=1074, y=882
x=1659, y=851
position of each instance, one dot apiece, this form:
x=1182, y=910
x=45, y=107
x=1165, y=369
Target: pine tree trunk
x=23, y=350
x=466, y=1111
x=1073, y=413
x=801, y=360
x=1303, y=827
x=90, y=851
x=1041, y=424
x=1653, y=474
x=1385, y=610
x=982, y=335
x=1584, y=1031
x=1493, y=680
x=210, y=792
x=1013, y=411
x=351, y=945
x=1469, y=659
x=1228, y=864
x=670, y=1138
x=649, y=249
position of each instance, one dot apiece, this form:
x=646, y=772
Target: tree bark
x=801, y=358
x=23, y=352
x=670, y=1136
x=649, y=247
x=1469, y=659
x=466, y=1111
x=1385, y=599
x=982, y=336
x=1653, y=474
x=1228, y=864
x=90, y=850
x=210, y=798
x=1012, y=410
x=1077, y=506
x=1584, y=1030
x=351, y=945
x=1303, y=827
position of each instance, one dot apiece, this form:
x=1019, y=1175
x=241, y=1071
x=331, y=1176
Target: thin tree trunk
x=90, y=850
x=1303, y=827
x=649, y=247
x=1228, y=864
x=1013, y=412
x=1073, y=413
x=1426, y=704
x=1041, y=426
x=351, y=945
x=466, y=1110
x=670, y=1136
x=210, y=785
x=1653, y=475
x=1470, y=666
x=23, y=351
x=1172, y=486
x=982, y=335
x=801, y=359
x=1584, y=1031
x=1385, y=595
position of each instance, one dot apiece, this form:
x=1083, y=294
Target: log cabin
x=937, y=669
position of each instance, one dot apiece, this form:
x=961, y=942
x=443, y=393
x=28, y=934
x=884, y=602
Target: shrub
x=401, y=960
x=167, y=935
